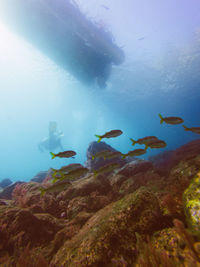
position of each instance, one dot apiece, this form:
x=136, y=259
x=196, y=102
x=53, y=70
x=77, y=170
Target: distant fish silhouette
x=105, y=7
x=141, y=38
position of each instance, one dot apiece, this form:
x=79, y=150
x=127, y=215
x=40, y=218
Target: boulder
x=134, y=167
x=28, y=195
x=86, y=186
x=94, y=164
x=39, y=178
x=91, y=203
x=22, y=227
x=110, y=233
x=5, y=182
x=132, y=176
x=165, y=161
x=7, y=192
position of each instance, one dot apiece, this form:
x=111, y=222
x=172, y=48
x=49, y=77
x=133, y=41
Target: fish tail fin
x=95, y=174
x=54, y=172
x=98, y=137
x=92, y=157
x=146, y=146
x=161, y=118
x=54, y=180
x=133, y=141
x=62, y=176
x=53, y=155
x=42, y=191
x=123, y=156
x=185, y=128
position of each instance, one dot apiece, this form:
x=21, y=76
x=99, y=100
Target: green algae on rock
x=111, y=232
x=171, y=247
x=191, y=200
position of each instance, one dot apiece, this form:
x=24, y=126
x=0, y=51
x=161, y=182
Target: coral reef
x=144, y=214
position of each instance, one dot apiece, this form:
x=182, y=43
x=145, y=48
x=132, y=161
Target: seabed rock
x=114, y=219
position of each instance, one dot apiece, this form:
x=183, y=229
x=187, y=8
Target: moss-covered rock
x=191, y=200
x=86, y=186
x=91, y=203
x=169, y=247
x=111, y=232
x=19, y=227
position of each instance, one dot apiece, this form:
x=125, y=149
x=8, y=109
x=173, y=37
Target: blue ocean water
x=161, y=41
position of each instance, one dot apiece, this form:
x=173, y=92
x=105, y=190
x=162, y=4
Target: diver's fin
x=161, y=118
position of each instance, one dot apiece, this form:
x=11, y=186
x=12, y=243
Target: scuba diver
x=53, y=141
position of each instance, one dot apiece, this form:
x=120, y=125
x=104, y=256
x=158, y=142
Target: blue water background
x=34, y=90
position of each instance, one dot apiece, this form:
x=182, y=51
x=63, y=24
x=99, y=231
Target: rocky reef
x=144, y=213
x=5, y=182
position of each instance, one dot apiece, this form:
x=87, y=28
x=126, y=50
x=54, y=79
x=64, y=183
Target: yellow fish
x=143, y=141
x=170, y=120
x=64, y=154
x=74, y=174
x=133, y=153
x=101, y=154
x=106, y=168
x=110, y=134
x=192, y=129
x=57, y=187
x=157, y=144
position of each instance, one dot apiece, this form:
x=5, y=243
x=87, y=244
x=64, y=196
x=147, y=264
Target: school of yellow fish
x=66, y=174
